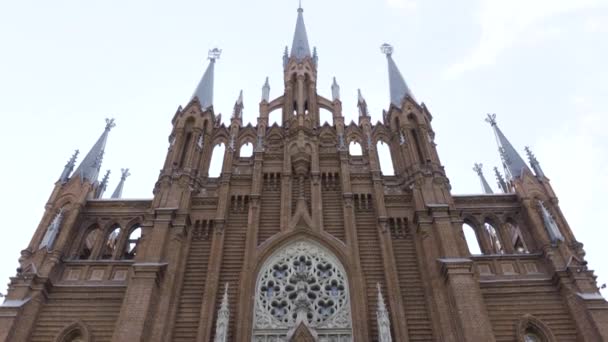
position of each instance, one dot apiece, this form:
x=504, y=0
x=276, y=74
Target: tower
x=302, y=240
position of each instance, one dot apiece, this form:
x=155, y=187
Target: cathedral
x=303, y=238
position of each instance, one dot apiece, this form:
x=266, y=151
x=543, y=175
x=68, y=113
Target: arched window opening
x=74, y=336
x=385, y=158
x=531, y=335
x=217, y=160
x=89, y=243
x=111, y=243
x=516, y=238
x=246, y=150
x=325, y=116
x=187, y=141
x=302, y=280
x=495, y=243
x=417, y=146
x=354, y=149
x=132, y=243
x=274, y=117
x=471, y=239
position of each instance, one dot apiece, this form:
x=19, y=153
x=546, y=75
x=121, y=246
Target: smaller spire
x=384, y=323
x=52, y=231
x=501, y=181
x=484, y=184
x=335, y=91
x=534, y=163
x=266, y=91
x=204, y=90
x=512, y=162
x=123, y=177
x=67, y=169
x=223, y=316
x=315, y=56
x=398, y=88
x=285, y=57
x=361, y=104
x=91, y=164
x=550, y=224
x=237, y=113
x=103, y=185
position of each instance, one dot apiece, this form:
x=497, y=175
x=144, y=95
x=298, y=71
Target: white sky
x=539, y=64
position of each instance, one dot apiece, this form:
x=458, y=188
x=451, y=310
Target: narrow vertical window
x=111, y=243
x=417, y=146
x=132, y=243
x=385, y=158
x=185, y=148
x=89, y=243
x=495, y=243
x=217, y=160
x=471, y=239
x=246, y=150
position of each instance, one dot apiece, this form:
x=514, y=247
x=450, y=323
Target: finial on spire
x=538, y=171
x=384, y=323
x=335, y=91
x=238, y=107
x=51, y=232
x=266, y=91
x=484, y=184
x=204, y=90
x=124, y=173
x=91, y=164
x=550, y=224
x=300, y=6
x=491, y=119
x=67, y=169
x=103, y=185
x=398, y=88
x=315, y=56
x=223, y=316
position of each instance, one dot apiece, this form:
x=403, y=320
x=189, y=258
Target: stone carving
x=223, y=316
x=384, y=323
x=302, y=284
x=52, y=231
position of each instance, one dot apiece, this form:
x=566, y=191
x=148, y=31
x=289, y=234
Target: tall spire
x=384, y=323
x=123, y=177
x=90, y=165
x=398, y=88
x=300, y=48
x=67, y=169
x=266, y=91
x=511, y=160
x=484, y=184
x=204, y=91
x=534, y=163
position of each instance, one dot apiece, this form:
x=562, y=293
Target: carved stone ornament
x=302, y=283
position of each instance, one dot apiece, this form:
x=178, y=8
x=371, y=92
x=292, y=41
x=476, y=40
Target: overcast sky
x=539, y=64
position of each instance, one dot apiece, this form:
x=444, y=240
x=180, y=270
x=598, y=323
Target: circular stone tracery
x=302, y=279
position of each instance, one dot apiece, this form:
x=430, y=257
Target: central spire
x=398, y=88
x=300, y=48
x=204, y=90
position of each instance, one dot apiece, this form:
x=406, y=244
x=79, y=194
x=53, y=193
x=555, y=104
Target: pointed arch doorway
x=302, y=294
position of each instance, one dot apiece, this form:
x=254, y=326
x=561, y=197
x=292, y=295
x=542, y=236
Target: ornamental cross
x=110, y=124
x=491, y=119
x=386, y=49
x=214, y=54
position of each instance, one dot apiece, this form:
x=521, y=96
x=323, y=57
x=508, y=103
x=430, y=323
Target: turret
x=484, y=184
x=123, y=177
x=68, y=168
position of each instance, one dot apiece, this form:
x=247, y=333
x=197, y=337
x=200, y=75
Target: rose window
x=302, y=282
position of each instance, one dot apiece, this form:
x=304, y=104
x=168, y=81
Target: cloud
x=409, y=5
x=507, y=23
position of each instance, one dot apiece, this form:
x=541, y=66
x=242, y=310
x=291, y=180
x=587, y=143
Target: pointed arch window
x=354, y=149
x=132, y=243
x=217, y=160
x=246, y=150
x=385, y=158
x=495, y=243
x=471, y=238
x=89, y=243
x=325, y=116
x=111, y=243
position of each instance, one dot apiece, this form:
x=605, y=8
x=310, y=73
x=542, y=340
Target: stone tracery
x=302, y=283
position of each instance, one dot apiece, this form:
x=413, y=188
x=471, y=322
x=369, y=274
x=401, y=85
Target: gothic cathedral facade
x=303, y=240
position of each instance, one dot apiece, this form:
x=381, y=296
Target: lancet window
x=132, y=242
x=89, y=243
x=302, y=283
x=495, y=243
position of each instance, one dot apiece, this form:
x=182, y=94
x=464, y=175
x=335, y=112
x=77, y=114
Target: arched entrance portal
x=302, y=284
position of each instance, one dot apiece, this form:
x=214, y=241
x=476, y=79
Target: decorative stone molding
x=529, y=321
x=75, y=332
